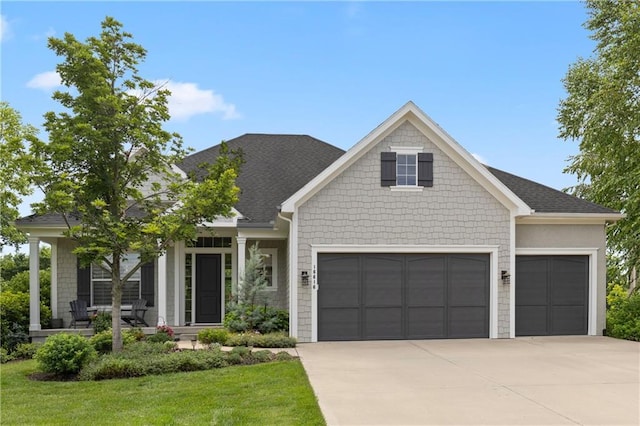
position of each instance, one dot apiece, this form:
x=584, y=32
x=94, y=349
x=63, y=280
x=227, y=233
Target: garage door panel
x=382, y=281
x=531, y=320
x=568, y=276
x=339, y=324
x=467, y=281
x=468, y=322
x=383, y=323
x=568, y=320
x=426, y=323
x=426, y=281
x=532, y=273
x=341, y=278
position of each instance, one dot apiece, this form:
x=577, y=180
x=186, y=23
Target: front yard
x=272, y=393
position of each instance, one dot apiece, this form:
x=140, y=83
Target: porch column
x=242, y=249
x=54, y=279
x=34, y=284
x=162, y=288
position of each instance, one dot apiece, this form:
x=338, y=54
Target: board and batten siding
x=355, y=209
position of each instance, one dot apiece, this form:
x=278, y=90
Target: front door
x=208, y=288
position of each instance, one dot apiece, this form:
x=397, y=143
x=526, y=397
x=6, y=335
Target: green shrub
x=19, y=283
x=243, y=351
x=103, y=341
x=264, y=319
x=65, y=354
x=271, y=340
x=623, y=315
x=262, y=356
x=25, y=350
x=5, y=356
x=159, y=337
x=234, y=359
x=101, y=321
x=111, y=367
x=283, y=356
x=213, y=335
x=14, y=318
x=136, y=333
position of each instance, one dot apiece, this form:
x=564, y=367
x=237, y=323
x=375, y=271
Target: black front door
x=208, y=288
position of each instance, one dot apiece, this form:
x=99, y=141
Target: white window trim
x=407, y=150
x=273, y=253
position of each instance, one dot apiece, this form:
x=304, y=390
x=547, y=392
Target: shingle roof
x=275, y=167
x=544, y=199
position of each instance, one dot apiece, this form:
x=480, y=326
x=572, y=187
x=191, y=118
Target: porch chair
x=79, y=312
x=136, y=315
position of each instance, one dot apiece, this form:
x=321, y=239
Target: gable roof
x=544, y=199
x=276, y=166
x=411, y=113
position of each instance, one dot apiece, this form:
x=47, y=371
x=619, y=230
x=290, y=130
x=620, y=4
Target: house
x=404, y=236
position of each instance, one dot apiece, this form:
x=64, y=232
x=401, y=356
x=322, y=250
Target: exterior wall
x=278, y=298
x=68, y=283
x=355, y=209
x=568, y=237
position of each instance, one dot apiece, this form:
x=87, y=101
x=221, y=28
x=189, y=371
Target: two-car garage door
x=402, y=296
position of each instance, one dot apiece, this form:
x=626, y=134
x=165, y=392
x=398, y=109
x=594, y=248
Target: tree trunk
x=116, y=305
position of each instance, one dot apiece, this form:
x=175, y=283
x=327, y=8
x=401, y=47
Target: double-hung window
x=406, y=168
x=101, y=282
x=270, y=262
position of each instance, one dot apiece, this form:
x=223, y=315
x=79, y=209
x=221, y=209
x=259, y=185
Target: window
x=210, y=242
x=270, y=261
x=101, y=282
x=406, y=169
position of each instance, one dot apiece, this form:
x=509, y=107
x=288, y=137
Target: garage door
x=551, y=295
x=402, y=296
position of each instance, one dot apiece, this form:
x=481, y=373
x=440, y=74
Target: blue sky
x=489, y=73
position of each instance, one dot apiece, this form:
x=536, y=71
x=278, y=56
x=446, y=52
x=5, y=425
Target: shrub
x=159, y=337
x=283, y=356
x=25, y=350
x=111, y=367
x=165, y=329
x=271, y=340
x=623, y=315
x=103, y=341
x=136, y=333
x=101, y=322
x=65, y=354
x=213, y=335
x=5, y=356
x=243, y=351
x=14, y=318
x=262, y=356
x=265, y=319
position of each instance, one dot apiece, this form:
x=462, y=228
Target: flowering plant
x=165, y=329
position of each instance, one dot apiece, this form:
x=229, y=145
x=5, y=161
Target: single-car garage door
x=551, y=295
x=402, y=296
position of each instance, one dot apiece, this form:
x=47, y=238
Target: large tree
x=602, y=112
x=15, y=139
x=109, y=166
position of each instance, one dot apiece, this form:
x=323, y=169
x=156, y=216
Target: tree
x=14, y=162
x=108, y=168
x=602, y=111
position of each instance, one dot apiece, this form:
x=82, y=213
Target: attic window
x=406, y=168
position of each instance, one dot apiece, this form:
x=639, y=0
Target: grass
x=272, y=393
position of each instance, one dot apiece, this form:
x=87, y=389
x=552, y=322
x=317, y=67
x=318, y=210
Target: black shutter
x=425, y=169
x=84, y=283
x=388, y=168
x=147, y=282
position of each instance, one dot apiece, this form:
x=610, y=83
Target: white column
x=178, y=283
x=242, y=250
x=34, y=284
x=54, y=279
x=162, y=288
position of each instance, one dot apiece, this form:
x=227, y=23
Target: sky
x=489, y=73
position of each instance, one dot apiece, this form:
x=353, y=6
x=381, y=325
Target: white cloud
x=5, y=29
x=45, y=80
x=480, y=158
x=187, y=100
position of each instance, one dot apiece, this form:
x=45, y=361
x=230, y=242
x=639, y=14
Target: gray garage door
x=551, y=295
x=402, y=296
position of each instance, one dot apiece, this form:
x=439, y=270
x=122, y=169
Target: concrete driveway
x=532, y=381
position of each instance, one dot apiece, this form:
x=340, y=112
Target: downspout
x=293, y=303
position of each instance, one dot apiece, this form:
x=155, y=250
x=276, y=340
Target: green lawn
x=272, y=393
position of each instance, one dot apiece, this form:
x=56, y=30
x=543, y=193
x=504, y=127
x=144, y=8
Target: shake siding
x=355, y=209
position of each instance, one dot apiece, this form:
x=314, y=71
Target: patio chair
x=79, y=312
x=136, y=315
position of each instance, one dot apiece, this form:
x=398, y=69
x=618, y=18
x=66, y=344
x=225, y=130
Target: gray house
x=403, y=236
